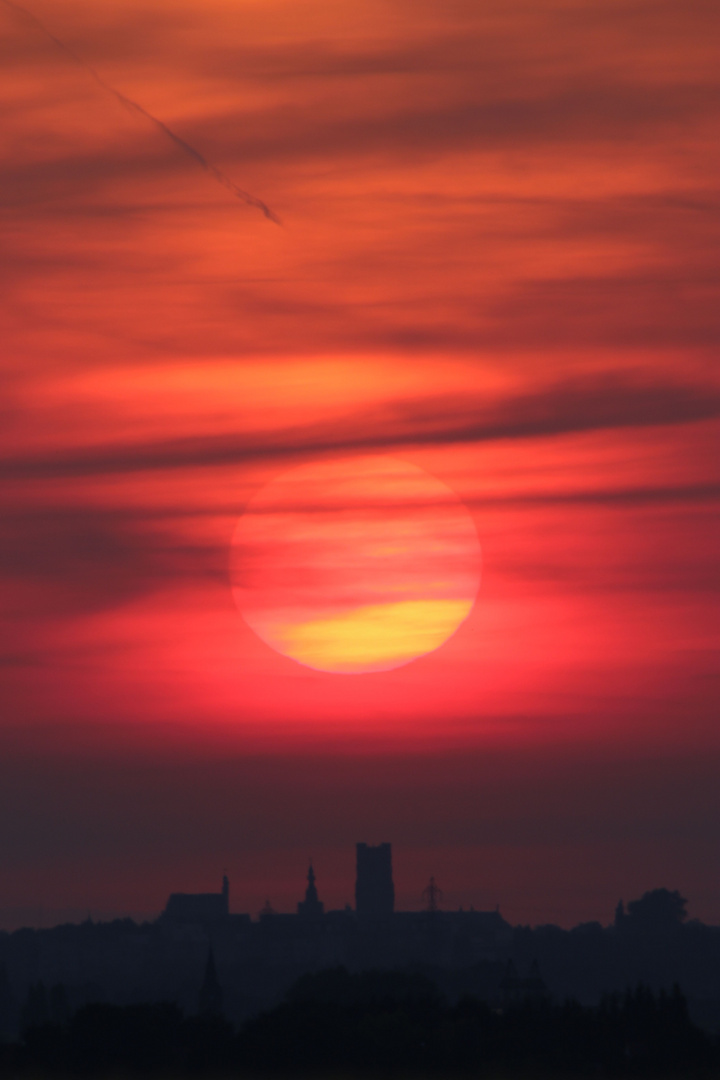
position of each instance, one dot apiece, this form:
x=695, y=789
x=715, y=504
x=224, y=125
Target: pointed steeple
x=311, y=907
x=311, y=892
x=211, y=995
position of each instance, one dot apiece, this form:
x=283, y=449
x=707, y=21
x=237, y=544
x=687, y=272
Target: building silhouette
x=200, y=908
x=211, y=995
x=311, y=907
x=374, y=889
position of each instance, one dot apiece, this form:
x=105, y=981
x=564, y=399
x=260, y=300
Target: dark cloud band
x=577, y=405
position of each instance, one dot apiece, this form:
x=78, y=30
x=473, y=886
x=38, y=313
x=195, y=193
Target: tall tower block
x=374, y=889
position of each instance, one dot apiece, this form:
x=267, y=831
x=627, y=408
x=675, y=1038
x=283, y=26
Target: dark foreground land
x=384, y=1023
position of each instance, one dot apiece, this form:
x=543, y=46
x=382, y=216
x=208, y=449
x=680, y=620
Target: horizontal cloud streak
x=605, y=403
x=86, y=559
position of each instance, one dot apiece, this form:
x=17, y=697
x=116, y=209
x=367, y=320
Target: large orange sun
x=355, y=565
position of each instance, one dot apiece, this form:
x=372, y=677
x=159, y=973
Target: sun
x=356, y=564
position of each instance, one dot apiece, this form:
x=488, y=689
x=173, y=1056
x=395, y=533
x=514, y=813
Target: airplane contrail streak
x=217, y=174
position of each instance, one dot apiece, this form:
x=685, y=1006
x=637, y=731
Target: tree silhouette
x=658, y=909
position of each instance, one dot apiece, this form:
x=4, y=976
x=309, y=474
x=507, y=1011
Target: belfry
x=311, y=907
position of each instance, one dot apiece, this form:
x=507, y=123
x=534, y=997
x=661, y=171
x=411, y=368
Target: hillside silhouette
x=370, y=1022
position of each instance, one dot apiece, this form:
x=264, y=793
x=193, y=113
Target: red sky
x=497, y=261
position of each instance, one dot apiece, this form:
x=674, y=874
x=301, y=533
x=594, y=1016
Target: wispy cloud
x=607, y=402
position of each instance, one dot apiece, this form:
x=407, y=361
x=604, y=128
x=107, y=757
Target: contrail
x=217, y=174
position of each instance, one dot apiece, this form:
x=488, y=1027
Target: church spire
x=311, y=892
x=211, y=995
x=311, y=907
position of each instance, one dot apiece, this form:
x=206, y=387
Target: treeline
x=387, y=1022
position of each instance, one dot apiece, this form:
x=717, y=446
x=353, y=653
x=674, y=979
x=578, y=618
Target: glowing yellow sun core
x=355, y=565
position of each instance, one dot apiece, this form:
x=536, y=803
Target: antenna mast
x=432, y=895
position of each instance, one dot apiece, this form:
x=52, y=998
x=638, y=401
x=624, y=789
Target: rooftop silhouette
x=212, y=962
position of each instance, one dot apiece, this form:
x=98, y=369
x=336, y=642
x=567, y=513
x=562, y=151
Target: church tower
x=311, y=907
x=374, y=890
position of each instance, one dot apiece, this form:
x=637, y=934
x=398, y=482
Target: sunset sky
x=489, y=255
